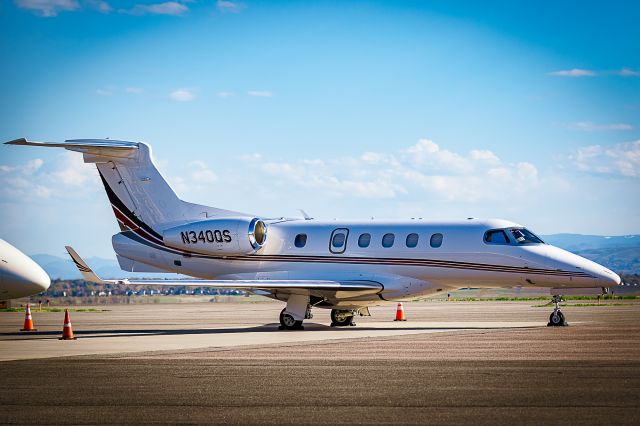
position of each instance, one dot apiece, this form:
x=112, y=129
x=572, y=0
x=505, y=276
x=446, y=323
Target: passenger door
x=338, y=241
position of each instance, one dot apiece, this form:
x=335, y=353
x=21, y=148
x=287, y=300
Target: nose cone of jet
x=38, y=278
x=608, y=278
x=572, y=262
x=29, y=280
x=20, y=276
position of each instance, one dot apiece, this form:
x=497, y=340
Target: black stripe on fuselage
x=361, y=260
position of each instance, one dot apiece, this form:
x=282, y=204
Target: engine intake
x=233, y=236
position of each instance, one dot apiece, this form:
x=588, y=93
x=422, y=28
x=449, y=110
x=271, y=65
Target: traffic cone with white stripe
x=67, y=330
x=28, y=321
x=400, y=313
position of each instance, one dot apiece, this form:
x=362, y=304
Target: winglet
x=87, y=273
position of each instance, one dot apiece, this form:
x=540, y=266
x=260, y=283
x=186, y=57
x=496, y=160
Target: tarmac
x=450, y=363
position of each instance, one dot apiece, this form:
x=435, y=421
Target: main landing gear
x=556, y=319
x=297, y=310
x=288, y=322
x=342, y=317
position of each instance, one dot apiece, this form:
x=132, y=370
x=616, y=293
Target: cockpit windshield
x=524, y=236
x=511, y=236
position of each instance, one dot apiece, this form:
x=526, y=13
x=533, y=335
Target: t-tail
x=141, y=199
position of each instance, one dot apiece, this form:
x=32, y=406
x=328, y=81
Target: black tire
x=339, y=319
x=556, y=319
x=287, y=322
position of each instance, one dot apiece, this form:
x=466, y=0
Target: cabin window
x=387, y=240
x=301, y=240
x=364, y=240
x=412, y=240
x=436, y=240
x=496, y=236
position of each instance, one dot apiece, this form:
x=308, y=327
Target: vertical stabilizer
x=139, y=195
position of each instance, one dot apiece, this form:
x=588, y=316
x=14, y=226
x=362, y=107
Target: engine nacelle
x=233, y=236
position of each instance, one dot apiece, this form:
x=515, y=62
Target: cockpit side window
x=496, y=236
x=524, y=236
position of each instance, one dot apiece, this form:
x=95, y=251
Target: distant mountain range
x=61, y=268
x=621, y=254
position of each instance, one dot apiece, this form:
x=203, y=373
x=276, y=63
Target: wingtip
x=19, y=141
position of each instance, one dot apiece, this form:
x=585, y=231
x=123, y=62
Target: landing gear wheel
x=557, y=319
x=288, y=322
x=340, y=318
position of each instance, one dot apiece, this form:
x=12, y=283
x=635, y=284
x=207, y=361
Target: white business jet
x=20, y=276
x=337, y=265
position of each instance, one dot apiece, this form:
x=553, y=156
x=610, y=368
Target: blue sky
x=529, y=112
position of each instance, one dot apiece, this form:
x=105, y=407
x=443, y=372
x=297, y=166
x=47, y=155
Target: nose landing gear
x=556, y=319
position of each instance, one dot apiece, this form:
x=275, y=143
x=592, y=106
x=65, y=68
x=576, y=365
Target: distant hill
x=65, y=269
x=621, y=254
x=577, y=242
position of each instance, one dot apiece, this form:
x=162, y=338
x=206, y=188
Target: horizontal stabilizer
x=98, y=147
x=138, y=193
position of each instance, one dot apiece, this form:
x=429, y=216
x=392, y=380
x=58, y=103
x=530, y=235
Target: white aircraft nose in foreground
x=342, y=266
x=20, y=276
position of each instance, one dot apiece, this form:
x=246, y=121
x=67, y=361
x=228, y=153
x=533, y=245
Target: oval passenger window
x=364, y=240
x=387, y=240
x=436, y=240
x=412, y=240
x=301, y=240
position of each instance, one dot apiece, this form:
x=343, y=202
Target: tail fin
x=139, y=195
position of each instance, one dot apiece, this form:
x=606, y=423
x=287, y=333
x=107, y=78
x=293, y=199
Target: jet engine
x=230, y=236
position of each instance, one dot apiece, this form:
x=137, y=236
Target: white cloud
x=423, y=168
x=106, y=91
x=229, y=6
x=48, y=8
x=202, y=175
x=628, y=72
x=260, y=93
x=26, y=169
x=589, y=126
x=40, y=180
x=225, y=94
x=621, y=159
x=99, y=5
x=427, y=155
x=575, y=72
x=173, y=8
x=182, y=95
x=73, y=171
x=134, y=90
x=191, y=180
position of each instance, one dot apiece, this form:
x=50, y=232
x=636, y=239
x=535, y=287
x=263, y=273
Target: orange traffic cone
x=67, y=330
x=28, y=321
x=400, y=313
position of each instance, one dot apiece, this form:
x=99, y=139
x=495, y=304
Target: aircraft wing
x=357, y=287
